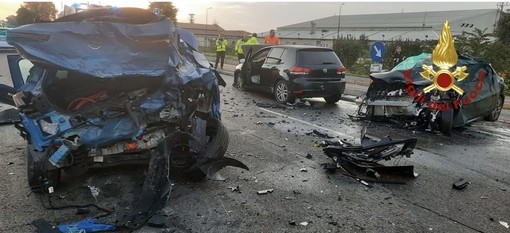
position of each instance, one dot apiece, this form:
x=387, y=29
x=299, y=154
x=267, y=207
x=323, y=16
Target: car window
x=260, y=55
x=317, y=57
x=275, y=56
x=25, y=66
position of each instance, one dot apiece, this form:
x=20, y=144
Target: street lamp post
x=206, y=32
x=339, y=15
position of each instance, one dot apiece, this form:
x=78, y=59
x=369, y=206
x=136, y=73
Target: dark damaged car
x=400, y=94
x=117, y=86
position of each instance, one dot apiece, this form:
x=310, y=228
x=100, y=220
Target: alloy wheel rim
x=281, y=91
x=239, y=81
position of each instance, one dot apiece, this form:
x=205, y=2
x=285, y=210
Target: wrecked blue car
x=115, y=86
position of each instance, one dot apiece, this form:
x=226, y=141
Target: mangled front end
x=401, y=94
x=109, y=86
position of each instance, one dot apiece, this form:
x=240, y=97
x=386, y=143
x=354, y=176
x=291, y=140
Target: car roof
x=297, y=47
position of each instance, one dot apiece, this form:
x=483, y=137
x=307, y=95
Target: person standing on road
x=221, y=48
x=253, y=39
x=398, y=56
x=271, y=38
x=238, y=49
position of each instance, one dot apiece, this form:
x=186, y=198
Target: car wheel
x=446, y=121
x=217, y=144
x=37, y=174
x=282, y=93
x=239, y=81
x=496, y=111
x=332, y=98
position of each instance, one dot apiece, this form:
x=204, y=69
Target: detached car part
x=361, y=161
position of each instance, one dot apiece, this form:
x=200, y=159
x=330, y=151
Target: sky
x=264, y=15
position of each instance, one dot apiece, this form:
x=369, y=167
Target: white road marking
x=347, y=136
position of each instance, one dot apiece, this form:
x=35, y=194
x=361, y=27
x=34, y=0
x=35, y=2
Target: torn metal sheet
x=361, y=161
x=9, y=116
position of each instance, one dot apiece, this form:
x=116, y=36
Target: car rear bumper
x=303, y=87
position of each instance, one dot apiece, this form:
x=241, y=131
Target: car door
x=481, y=94
x=271, y=66
x=253, y=65
x=18, y=71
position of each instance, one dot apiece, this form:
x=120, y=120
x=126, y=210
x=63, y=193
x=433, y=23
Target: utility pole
x=206, y=32
x=338, y=27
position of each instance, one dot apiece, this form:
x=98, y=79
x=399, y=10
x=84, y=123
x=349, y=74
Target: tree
x=11, y=21
x=475, y=43
x=33, y=12
x=348, y=50
x=503, y=28
x=165, y=8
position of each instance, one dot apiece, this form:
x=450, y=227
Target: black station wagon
x=292, y=71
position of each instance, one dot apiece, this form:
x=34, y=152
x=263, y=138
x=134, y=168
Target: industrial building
x=386, y=27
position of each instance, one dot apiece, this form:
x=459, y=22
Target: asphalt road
x=274, y=143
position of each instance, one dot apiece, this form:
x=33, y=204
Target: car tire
x=37, y=174
x=332, y=98
x=446, y=121
x=217, y=135
x=496, y=111
x=282, y=92
x=239, y=81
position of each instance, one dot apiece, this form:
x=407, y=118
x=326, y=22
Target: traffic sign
x=377, y=51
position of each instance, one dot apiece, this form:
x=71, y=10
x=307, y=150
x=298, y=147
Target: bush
x=349, y=50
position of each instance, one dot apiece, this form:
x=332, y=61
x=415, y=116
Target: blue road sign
x=377, y=51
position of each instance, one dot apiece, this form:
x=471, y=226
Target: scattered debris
x=322, y=135
x=259, y=123
x=327, y=143
x=266, y=105
x=304, y=224
x=290, y=198
x=11, y=173
x=235, y=189
x=505, y=224
x=10, y=163
x=333, y=223
x=483, y=197
x=44, y=227
x=303, y=170
x=158, y=220
x=364, y=183
x=82, y=211
x=361, y=161
x=309, y=156
x=296, y=192
x=292, y=223
x=371, y=172
x=94, y=191
x=460, y=184
x=266, y=191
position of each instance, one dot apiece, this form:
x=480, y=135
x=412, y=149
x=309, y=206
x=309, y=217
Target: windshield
x=317, y=57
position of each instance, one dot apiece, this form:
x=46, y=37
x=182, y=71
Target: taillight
x=341, y=70
x=299, y=70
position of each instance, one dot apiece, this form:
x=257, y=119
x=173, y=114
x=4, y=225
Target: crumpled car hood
x=100, y=48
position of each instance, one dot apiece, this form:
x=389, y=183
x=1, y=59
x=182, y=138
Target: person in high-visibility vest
x=221, y=48
x=238, y=49
x=253, y=39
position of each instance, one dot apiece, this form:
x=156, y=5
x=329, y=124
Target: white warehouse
x=386, y=27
